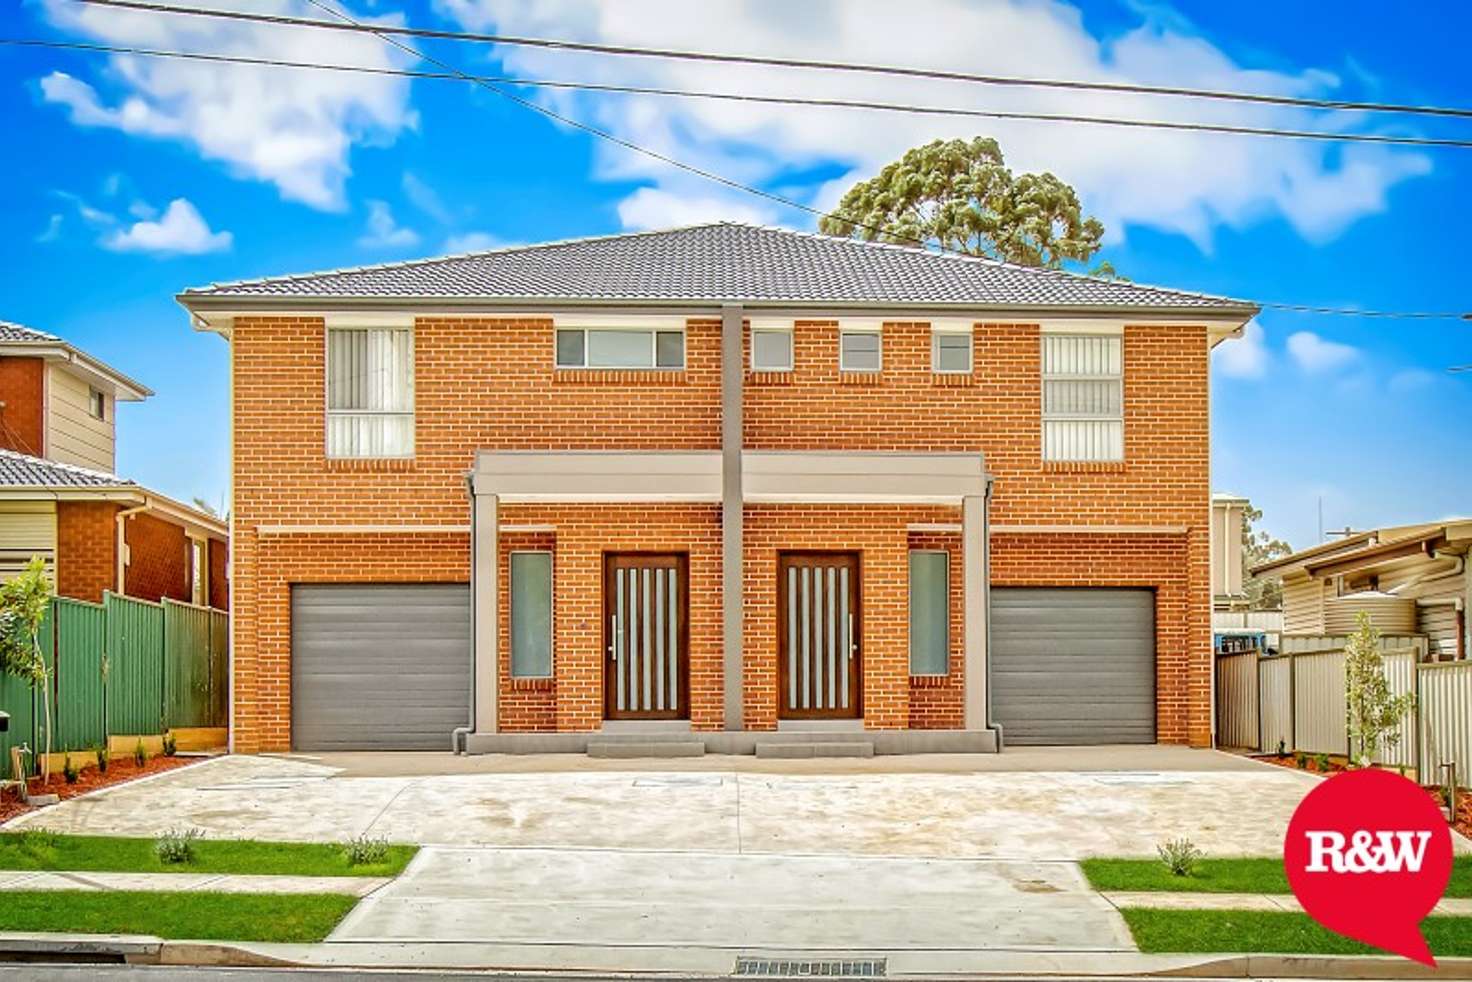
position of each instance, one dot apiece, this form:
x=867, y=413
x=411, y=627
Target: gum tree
x=23, y=604
x=1374, y=713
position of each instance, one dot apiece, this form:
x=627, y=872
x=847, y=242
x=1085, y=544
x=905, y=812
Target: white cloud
x=294, y=129
x=426, y=199
x=1187, y=183
x=181, y=231
x=382, y=232
x=52, y=231
x=658, y=208
x=1317, y=356
x=473, y=242
x=1409, y=380
x=1244, y=357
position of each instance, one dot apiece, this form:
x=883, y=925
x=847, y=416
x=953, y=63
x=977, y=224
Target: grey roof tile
x=724, y=261
x=10, y=331
x=18, y=470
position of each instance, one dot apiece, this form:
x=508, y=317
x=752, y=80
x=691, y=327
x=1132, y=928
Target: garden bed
x=120, y=770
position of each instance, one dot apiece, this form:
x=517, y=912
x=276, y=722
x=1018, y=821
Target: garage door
x=1073, y=666
x=378, y=667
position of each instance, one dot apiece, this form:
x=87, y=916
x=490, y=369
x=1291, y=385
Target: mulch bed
x=1461, y=818
x=120, y=770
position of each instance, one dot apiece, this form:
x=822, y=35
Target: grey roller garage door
x=379, y=667
x=1073, y=666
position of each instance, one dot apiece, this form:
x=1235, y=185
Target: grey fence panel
x=1236, y=701
x=1318, y=703
x=1400, y=671
x=1445, y=711
x=1275, y=703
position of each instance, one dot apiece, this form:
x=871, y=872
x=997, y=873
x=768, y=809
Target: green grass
x=1222, y=876
x=303, y=917
x=98, y=854
x=1278, y=932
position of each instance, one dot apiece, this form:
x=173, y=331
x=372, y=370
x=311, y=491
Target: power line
x=555, y=44
x=894, y=107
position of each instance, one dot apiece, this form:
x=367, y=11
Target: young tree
x=960, y=195
x=1263, y=593
x=23, y=604
x=1373, y=712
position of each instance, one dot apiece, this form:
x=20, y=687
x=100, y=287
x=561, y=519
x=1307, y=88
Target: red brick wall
x=23, y=416
x=158, y=559
x=219, y=579
x=86, y=549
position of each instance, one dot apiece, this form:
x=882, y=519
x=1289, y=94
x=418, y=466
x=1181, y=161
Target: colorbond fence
x=1296, y=701
x=122, y=668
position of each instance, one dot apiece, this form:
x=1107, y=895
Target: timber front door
x=818, y=634
x=646, y=674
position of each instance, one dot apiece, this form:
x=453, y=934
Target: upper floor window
x=370, y=392
x=1083, y=397
x=950, y=352
x=579, y=347
x=771, y=350
x=859, y=351
x=96, y=403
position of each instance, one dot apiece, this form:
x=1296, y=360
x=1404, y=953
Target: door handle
x=853, y=646
x=617, y=635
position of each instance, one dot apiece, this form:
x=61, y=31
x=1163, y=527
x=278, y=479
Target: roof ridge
x=63, y=466
x=40, y=335
x=427, y=260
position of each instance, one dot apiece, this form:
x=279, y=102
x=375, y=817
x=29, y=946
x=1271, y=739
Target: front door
x=818, y=625
x=645, y=603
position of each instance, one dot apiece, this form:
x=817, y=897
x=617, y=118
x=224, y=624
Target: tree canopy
x=1266, y=592
x=960, y=195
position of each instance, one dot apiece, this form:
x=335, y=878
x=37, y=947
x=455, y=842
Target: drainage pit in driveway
x=792, y=968
x=680, y=781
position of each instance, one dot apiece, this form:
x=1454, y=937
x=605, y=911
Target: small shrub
x=1282, y=748
x=171, y=745
x=38, y=841
x=70, y=770
x=365, y=850
x=176, y=845
x=104, y=757
x=140, y=753
x=1180, y=856
x=1321, y=763
x=1300, y=759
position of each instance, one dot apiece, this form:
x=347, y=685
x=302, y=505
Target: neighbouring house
x=1235, y=627
x=1411, y=579
x=719, y=487
x=61, y=499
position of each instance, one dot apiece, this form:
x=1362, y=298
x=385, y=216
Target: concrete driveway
x=899, y=855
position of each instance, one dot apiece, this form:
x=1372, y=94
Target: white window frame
x=936, y=333
x=654, y=331
x=199, y=586
x=1118, y=338
x=551, y=618
x=96, y=397
x=788, y=330
x=946, y=606
x=851, y=328
x=328, y=413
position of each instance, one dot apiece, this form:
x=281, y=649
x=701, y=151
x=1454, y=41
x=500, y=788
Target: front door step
x=799, y=749
x=623, y=749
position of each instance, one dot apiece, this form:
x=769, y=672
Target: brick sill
x=618, y=376
x=1084, y=467
x=370, y=464
x=860, y=378
x=947, y=380
x=769, y=378
x=532, y=685
x=929, y=681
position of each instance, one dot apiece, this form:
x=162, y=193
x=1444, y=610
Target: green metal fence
x=135, y=665
x=195, y=682
x=81, y=674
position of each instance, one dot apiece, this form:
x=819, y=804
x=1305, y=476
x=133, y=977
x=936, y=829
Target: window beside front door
x=1083, y=397
x=531, y=614
x=930, y=612
x=370, y=392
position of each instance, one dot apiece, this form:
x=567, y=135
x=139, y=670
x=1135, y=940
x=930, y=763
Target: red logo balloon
x=1368, y=855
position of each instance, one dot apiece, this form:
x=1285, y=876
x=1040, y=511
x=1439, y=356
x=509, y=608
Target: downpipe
x=459, y=736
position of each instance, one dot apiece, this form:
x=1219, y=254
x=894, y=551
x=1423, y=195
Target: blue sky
x=127, y=180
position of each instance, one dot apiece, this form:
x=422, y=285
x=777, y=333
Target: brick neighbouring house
x=721, y=486
x=61, y=500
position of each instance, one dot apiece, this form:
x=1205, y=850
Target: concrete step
x=796, y=750
x=622, y=749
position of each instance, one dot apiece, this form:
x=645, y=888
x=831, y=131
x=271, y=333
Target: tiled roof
x=18, y=470
x=10, y=331
x=728, y=262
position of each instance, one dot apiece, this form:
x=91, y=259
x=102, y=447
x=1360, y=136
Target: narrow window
x=859, y=351
x=930, y=612
x=198, y=573
x=771, y=351
x=370, y=392
x=96, y=403
x=1083, y=397
x=531, y=614
x=635, y=348
x=950, y=353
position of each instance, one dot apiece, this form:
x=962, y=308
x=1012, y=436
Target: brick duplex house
x=720, y=487
x=61, y=499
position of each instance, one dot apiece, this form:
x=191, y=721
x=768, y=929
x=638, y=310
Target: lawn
x=1222, y=876
x=1278, y=932
x=303, y=917
x=98, y=854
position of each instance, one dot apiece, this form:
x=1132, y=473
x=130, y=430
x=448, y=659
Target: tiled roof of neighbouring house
x=18, y=470
x=724, y=262
x=10, y=331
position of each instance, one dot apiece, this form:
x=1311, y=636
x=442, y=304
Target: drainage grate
x=784, y=968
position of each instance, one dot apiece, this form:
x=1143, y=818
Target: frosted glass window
x=950, y=353
x=370, y=392
x=635, y=348
x=570, y=349
x=859, y=351
x=531, y=614
x=620, y=349
x=930, y=613
x=669, y=349
x=1083, y=397
x=771, y=351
